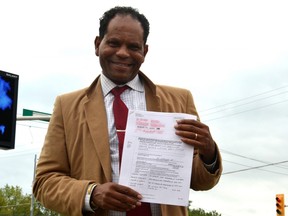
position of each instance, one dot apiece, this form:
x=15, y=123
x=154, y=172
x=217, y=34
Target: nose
x=122, y=52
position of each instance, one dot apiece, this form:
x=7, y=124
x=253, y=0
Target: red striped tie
x=120, y=111
x=120, y=115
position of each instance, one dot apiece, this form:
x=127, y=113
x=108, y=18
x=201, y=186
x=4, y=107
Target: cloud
x=231, y=55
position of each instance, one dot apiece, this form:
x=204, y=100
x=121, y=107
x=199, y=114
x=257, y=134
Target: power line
x=243, y=104
x=240, y=112
x=33, y=150
x=259, y=168
x=253, y=159
x=32, y=126
x=237, y=104
x=246, y=98
x=249, y=110
x=223, y=105
x=256, y=167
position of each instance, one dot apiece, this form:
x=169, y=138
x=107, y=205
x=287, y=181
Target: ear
x=97, y=42
x=145, y=52
x=145, y=49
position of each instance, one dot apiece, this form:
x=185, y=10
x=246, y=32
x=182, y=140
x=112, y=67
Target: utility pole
x=32, y=196
x=33, y=115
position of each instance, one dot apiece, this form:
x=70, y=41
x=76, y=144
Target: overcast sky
x=232, y=55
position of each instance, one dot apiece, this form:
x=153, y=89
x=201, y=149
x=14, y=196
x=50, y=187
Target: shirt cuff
x=210, y=167
x=87, y=206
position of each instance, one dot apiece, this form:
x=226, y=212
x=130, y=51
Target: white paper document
x=155, y=162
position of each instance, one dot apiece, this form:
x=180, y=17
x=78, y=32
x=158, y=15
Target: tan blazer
x=76, y=148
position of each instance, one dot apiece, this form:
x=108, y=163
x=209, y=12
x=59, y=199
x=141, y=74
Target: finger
x=119, y=202
x=126, y=198
x=129, y=192
x=187, y=125
x=115, y=197
x=187, y=121
x=188, y=134
x=193, y=122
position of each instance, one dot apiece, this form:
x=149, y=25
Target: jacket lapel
x=97, y=122
x=152, y=100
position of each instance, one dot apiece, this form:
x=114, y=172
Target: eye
x=134, y=47
x=113, y=43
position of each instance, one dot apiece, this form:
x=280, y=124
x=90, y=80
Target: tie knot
x=118, y=90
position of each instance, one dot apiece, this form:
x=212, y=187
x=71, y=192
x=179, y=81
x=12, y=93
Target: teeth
x=125, y=65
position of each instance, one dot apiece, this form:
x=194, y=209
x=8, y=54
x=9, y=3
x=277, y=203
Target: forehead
x=125, y=23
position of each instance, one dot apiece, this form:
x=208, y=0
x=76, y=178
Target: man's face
x=122, y=51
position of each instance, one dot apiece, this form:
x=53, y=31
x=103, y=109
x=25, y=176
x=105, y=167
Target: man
x=78, y=169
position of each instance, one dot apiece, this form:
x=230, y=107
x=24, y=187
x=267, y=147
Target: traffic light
x=280, y=205
x=8, y=108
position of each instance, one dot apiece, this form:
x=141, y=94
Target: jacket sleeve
x=201, y=178
x=53, y=186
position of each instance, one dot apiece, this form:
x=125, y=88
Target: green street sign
x=27, y=112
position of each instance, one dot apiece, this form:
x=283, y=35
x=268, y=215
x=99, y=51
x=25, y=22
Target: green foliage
x=201, y=212
x=14, y=203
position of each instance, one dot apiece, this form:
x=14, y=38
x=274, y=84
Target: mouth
x=122, y=64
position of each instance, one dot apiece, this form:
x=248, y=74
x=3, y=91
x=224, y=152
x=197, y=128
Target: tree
x=39, y=209
x=14, y=203
x=201, y=212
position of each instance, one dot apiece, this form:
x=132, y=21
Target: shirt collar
x=108, y=85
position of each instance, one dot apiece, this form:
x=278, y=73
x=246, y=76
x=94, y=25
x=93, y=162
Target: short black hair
x=121, y=10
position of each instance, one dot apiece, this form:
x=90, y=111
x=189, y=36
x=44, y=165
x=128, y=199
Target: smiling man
x=78, y=170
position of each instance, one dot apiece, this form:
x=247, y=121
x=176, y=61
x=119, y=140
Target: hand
x=115, y=197
x=195, y=133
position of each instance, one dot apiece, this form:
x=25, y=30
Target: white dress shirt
x=134, y=98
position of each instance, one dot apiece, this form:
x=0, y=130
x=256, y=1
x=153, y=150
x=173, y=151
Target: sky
x=232, y=56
